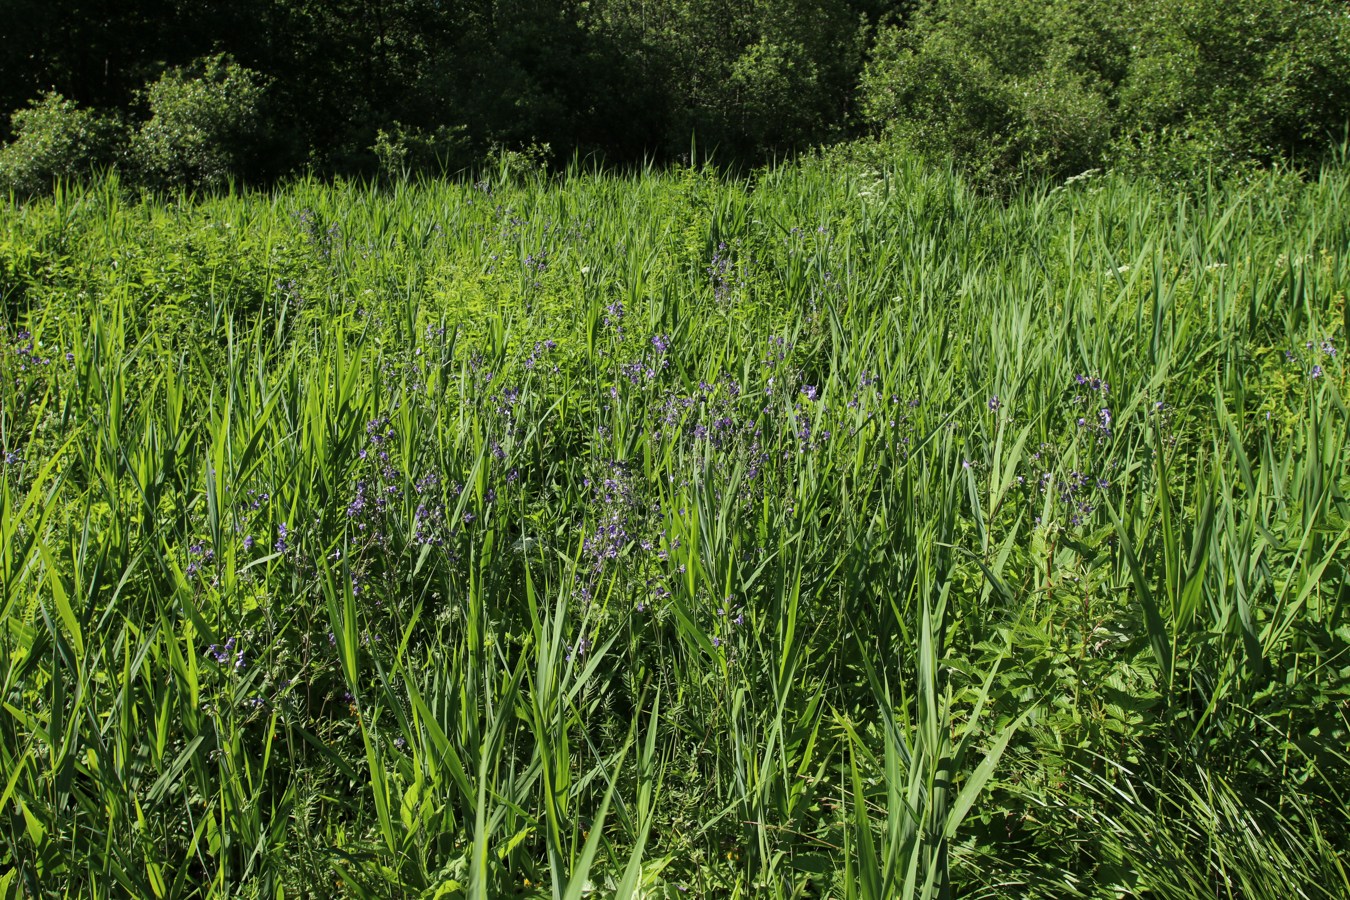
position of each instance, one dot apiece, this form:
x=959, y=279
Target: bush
x=54, y=139
x=1001, y=86
x=1259, y=80
x=205, y=125
x=778, y=87
x=410, y=149
x=1006, y=86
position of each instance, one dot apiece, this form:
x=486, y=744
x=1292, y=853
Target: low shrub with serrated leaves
x=205, y=125
x=54, y=138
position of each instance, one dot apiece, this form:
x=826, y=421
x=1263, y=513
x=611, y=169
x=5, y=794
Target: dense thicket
x=353, y=86
x=1068, y=85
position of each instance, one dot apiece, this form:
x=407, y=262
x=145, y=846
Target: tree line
x=176, y=93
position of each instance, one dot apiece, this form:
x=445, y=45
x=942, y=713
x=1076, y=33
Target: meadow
x=832, y=531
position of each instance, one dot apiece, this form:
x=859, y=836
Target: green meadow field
x=832, y=531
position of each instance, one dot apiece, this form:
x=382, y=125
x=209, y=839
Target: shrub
x=1060, y=87
x=1001, y=86
x=205, y=124
x=53, y=139
x=525, y=165
x=411, y=149
x=1256, y=79
x=778, y=87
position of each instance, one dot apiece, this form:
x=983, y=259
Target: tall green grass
x=833, y=532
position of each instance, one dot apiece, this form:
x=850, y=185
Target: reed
x=830, y=532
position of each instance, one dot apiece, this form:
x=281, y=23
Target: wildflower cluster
x=1068, y=479
x=24, y=360
x=198, y=555
x=322, y=241
x=1091, y=400
x=1315, y=355
x=615, y=505
x=724, y=275
x=889, y=415
x=230, y=654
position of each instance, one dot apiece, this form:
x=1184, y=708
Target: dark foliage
x=1004, y=88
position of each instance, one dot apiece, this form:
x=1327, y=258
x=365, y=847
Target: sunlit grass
x=837, y=532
